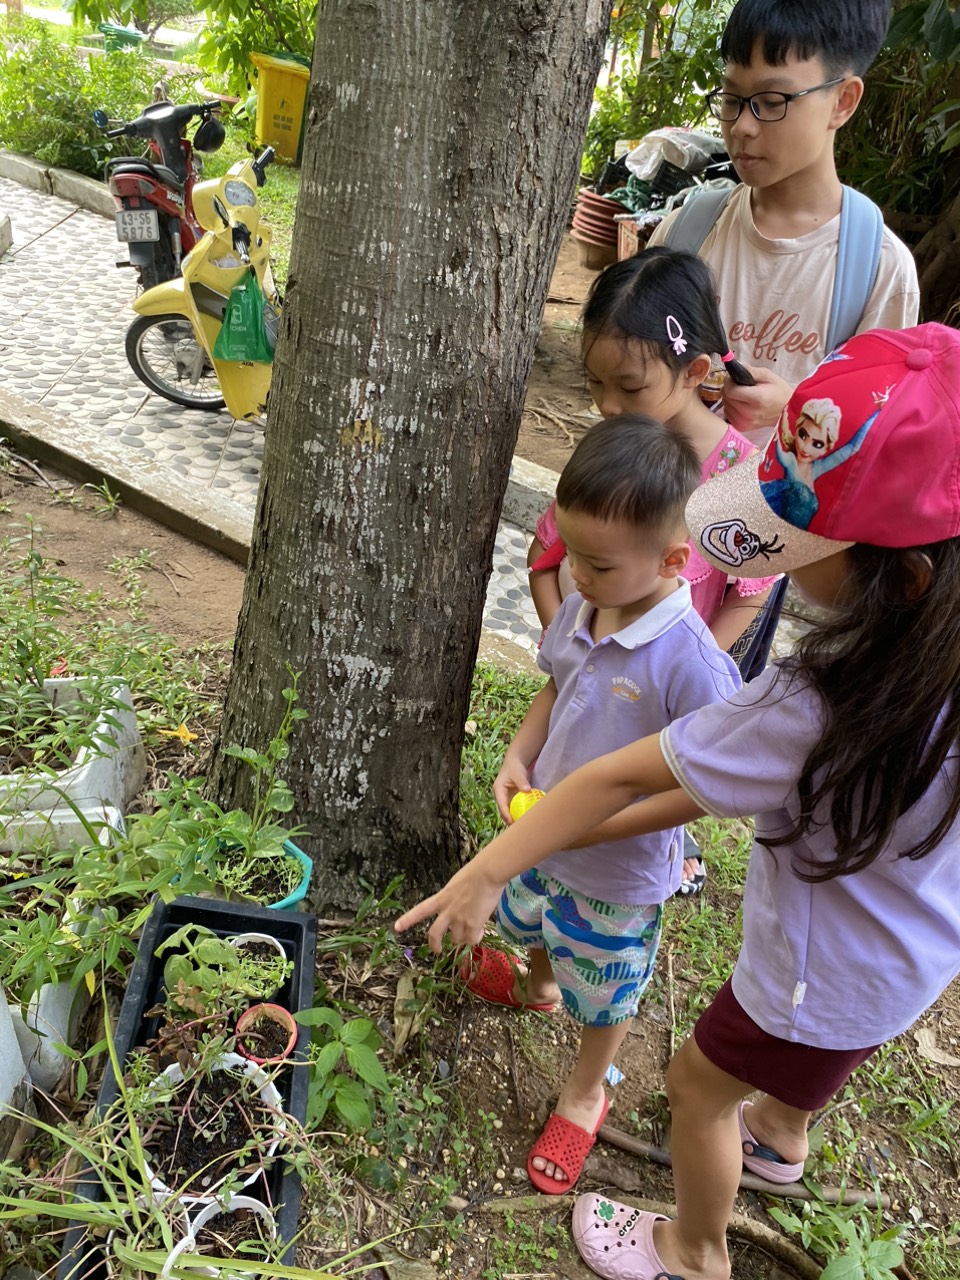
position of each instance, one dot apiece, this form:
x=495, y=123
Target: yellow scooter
x=170, y=346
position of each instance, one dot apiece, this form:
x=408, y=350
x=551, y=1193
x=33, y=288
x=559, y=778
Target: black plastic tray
x=82, y=1258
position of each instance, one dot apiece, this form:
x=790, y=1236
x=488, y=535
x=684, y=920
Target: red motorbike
x=154, y=193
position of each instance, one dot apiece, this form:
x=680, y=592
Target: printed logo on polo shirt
x=624, y=687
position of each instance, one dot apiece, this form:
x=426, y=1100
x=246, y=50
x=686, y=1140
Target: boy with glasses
x=792, y=77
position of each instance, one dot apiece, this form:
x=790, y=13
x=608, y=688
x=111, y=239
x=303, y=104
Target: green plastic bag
x=243, y=334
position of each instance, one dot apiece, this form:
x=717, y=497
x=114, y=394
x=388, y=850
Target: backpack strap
x=697, y=215
x=858, y=260
x=858, y=251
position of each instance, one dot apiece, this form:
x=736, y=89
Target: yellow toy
x=523, y=801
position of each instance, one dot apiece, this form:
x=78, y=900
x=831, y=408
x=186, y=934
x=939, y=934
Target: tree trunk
x=441, y=149
x=938, y=266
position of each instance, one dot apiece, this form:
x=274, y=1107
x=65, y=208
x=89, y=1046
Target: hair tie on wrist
x=728, y=357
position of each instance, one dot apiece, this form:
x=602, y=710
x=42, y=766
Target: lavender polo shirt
x=631, y=684
x=849, y=962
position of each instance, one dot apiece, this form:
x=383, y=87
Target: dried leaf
x=408, y=1018
x=179, y=569
x=926, y=1039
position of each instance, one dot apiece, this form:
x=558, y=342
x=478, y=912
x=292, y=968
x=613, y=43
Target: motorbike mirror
x=260, y=164
x=221, y=211
x=100, y=119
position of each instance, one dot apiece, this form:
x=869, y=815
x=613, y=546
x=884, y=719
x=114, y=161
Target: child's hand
x=758, y=407
x=462, y=907
x=512, y=778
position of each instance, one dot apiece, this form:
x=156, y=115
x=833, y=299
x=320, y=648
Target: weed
x=726, y=846
x=108, y=503
x=522, y=1249
x=851, y=1240
x=66, y=498
x=498, y=704
x=936, y=1254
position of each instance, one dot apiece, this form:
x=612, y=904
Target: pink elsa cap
x=867, y=450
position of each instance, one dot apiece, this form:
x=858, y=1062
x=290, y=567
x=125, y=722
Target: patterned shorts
x=601, y=953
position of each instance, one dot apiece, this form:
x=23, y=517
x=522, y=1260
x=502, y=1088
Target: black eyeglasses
x=765, y=106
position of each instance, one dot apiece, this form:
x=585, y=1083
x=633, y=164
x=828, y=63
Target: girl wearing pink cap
x=847, y=754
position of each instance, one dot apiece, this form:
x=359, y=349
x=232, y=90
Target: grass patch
x=498, y=703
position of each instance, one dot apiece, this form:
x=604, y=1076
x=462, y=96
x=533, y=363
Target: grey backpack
x=858, y=253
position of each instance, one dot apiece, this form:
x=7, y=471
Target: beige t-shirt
x=775, y=295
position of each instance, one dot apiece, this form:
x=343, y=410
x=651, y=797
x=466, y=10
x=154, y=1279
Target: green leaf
x=843, y=1269
x=885, y=1253
x=356, y=1030
x=350, y=1103
x=368, y=1066
x=327, y=1059
x=322, y=1017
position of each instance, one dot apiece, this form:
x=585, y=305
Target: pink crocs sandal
x=616, y=1240
x=763, y=1161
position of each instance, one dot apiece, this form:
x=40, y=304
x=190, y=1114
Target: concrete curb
x=192, y=509
x=85, y=193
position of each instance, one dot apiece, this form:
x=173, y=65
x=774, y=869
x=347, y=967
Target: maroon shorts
x=798, y=1075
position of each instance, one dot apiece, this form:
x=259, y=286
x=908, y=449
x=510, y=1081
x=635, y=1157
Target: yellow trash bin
x=281, y=95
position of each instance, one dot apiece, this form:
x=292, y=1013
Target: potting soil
x=266, y=1039
x=213, y=1119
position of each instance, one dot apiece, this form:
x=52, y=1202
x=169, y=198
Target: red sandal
x=490, y=975
x=567, y=1146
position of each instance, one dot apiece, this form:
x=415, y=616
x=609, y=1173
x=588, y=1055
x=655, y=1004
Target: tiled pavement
x=64, y=312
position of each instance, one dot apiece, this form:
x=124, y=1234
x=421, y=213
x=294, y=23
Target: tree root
x=748, y=1181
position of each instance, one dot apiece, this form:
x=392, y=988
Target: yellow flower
x=181, y=733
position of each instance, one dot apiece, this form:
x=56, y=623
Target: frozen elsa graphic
x=807, y=452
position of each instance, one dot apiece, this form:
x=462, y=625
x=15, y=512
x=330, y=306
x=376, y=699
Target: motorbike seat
x=133, y=164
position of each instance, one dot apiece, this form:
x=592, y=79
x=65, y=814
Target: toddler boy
x=626, y=654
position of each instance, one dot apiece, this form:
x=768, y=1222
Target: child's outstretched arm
x=655, y=813
x=576, y=805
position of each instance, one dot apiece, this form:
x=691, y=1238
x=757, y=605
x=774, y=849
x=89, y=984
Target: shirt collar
x=649, y=625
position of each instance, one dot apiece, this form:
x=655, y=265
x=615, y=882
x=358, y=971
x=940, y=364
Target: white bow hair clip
x=675, y=335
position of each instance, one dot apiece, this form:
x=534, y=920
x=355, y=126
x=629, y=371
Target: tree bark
x=441, y=148
x=938, y=266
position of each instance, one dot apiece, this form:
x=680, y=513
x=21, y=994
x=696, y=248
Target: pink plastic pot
x=275, y=1013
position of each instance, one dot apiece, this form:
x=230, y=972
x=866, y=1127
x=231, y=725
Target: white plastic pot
x=111, y=772
x=271, y=941
x=269, y=1095
x=211, y=1210
x=15, y=1087
x=54, y=1012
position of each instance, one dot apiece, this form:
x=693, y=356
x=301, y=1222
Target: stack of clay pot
x=595, y=230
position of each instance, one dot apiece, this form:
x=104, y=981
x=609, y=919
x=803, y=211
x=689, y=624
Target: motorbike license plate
x=138, y=224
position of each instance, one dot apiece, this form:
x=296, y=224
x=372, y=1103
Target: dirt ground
x=558, y=408
x=508, y=1064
